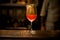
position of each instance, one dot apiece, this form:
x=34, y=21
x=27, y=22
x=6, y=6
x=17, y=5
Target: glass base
x=32, y=32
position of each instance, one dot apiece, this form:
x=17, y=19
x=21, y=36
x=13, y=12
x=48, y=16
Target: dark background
x=4, y=18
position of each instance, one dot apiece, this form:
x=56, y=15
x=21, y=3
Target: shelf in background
x=16, y=28
x=7, y=4
x=12, y=4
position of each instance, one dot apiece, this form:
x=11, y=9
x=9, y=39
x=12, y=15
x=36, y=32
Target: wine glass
x=31, y=13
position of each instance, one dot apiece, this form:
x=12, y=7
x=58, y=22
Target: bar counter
x=28, y=33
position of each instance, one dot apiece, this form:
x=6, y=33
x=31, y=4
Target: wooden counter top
x=27, y=33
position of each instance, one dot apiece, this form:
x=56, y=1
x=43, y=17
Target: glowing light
x=33, y=32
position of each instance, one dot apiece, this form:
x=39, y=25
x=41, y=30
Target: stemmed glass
x=31, y=13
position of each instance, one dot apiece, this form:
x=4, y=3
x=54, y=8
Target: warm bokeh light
x=33, y=32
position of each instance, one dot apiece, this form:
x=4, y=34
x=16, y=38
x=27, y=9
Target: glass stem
x=31, y=25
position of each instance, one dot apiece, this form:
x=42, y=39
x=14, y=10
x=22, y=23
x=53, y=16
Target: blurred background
x=13, y=14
